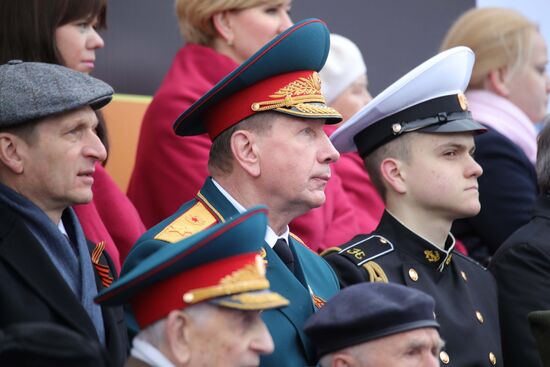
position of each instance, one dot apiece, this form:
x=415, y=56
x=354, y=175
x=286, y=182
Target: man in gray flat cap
x=48, y=151
x=376, y=325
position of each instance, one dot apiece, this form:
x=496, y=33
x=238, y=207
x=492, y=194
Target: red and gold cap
x=281, y=77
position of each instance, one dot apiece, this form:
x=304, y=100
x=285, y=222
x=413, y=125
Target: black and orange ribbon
x=102, y=270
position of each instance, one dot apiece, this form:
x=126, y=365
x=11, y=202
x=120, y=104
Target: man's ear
x=393, y=174
x=244, y=145
x=177, y=335
x=343, y=360
x=11, y=148
x=497, y=82
x=222, y=24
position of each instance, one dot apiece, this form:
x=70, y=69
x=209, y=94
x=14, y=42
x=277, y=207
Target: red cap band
x=156, y=301
x=238, y=106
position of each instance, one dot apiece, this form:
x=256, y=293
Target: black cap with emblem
x=429, y=98
x=368, y=311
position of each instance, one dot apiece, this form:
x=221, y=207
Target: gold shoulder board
x=195, y=219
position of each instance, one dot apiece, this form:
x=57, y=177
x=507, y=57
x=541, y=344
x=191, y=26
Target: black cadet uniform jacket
x=464, y=291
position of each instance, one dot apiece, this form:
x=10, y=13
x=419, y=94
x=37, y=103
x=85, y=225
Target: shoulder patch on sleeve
x=195, y=219
x=367, y=249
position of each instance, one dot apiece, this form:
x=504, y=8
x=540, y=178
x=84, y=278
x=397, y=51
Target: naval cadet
x=417, y=142
x=198, y=301
x=266, y=122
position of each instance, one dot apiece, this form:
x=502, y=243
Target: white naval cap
x=428, y=98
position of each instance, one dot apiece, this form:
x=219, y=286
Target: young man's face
x=441, y=175
x=225, y=337
x=295, y=157
x=60, y=159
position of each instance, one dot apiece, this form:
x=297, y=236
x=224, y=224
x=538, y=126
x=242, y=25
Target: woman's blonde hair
x=499, y=37
x=195, y=16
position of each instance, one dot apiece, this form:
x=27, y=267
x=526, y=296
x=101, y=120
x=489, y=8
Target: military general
x=417, y=142
x=266, y=122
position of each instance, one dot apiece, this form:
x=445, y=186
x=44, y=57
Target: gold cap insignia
x=463, y=101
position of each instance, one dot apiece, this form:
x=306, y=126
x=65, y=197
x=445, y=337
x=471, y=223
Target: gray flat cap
x=32, y=90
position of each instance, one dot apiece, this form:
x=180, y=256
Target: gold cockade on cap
x=463, y=101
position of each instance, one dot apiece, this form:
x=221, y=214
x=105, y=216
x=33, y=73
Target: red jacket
x=169, y=169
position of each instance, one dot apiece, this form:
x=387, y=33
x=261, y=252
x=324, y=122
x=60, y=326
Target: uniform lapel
x=210, y=196
x=282, y=281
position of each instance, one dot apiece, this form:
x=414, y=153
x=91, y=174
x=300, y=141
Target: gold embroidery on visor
x=298, y=95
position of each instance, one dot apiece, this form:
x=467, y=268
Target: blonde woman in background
x=508, y=93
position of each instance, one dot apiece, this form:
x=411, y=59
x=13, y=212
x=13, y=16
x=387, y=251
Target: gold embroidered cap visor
x=220, y=264
x=281, y=76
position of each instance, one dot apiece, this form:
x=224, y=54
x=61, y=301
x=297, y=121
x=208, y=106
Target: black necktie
x=285, y=254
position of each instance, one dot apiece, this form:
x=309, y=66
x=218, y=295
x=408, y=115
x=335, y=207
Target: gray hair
x=154, y=333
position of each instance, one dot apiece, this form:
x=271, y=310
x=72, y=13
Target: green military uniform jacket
x=314, y=282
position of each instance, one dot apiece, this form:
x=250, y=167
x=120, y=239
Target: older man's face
x=60, y=159
x=223, y=337
x=295, y=157
x=415, y=348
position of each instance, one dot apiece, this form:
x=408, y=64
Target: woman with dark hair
x=28, y=28
x=66, y=32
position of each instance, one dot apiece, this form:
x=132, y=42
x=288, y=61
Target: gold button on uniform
x=444, y=357
x=492, y=358
x=463, y=274
x=479, y=317
x=413, y=275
